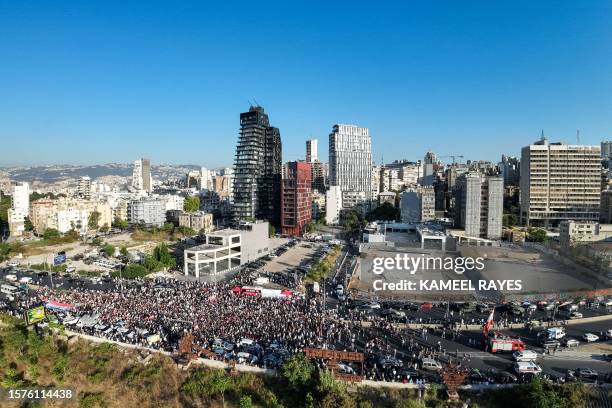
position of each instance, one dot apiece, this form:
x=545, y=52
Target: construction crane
x=454, y=157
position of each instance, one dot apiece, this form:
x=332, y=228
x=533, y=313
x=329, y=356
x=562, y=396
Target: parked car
x=570, y=342
x=575, y=315
x=587, y=373
x=430, y=364
x=590, y=337
x=524, y=355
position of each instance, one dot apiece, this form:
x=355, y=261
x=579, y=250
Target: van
x=431, y=364
x=555, y=333
x=527, y=367
x=525, y=355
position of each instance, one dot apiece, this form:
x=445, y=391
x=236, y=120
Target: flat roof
x=203, y=247
x=224, y=233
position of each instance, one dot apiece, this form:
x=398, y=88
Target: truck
x=500, y=343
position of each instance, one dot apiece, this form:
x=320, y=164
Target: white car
x=569, y=342
x=525, y=355
x=25, y=279
x=11, y=278
x=609, y=334
x=590, y=337
x=346, y=369
x=575, y=315
x=14, y=264
x=527, y=367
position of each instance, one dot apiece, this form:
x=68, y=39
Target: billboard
x=35, y=315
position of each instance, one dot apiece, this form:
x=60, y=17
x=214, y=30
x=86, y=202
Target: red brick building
x=296, y=197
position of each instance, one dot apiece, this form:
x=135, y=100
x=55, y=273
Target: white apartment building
x=559, y=182
x=141, y=176
x=20, y=208
x=173, y=201
x=84, y=187
x=311, y=150
x=333, y=205
x=375, y=182
x=147, y=211
x=350, y=161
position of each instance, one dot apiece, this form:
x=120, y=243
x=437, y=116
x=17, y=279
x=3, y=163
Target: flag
x=489, y=322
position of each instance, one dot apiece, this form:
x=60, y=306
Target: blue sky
x=94, y=82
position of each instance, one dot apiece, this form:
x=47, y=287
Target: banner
x=35, y=315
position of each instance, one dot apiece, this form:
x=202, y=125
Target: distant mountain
x=56, y=173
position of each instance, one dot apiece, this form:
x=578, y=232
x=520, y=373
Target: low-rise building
x=227, y=249
x=573, y=233
x=198, y=221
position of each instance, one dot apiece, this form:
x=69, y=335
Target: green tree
x=509, y=220
x=245, y=402
x=108, y=249
x=51, y=233
x=162, y=255
x=5, y=251
x=92, y=221
x=104, y=229
x=192, y=204
x=124, y=251
x=27, y=224
x=271, y=230
x=384, y=212
x=536, y=234
x=297, y=370
x=132, y=271
x=119, y=223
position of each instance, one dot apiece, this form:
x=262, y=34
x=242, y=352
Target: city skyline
x=149, y=81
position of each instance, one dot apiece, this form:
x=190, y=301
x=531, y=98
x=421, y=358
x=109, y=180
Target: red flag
x=489, y=322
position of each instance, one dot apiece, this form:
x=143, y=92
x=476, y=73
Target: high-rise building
x=510, y=170
x=206, y=178
x=418, y=204
x=258, y=167
x=141, y=176
x=559, y=182
x=319, y=176
x=429, y=162
x=311, y=150
x=20, y=208
x=606, y=150
x=296, y=197
x=84, y=187
x=350, y=161
x=480, y=204
x=605, y=212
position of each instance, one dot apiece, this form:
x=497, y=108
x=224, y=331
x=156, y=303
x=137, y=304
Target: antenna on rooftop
x=578, y=136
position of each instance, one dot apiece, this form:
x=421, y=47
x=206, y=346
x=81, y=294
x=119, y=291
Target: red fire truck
x=498, y=342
